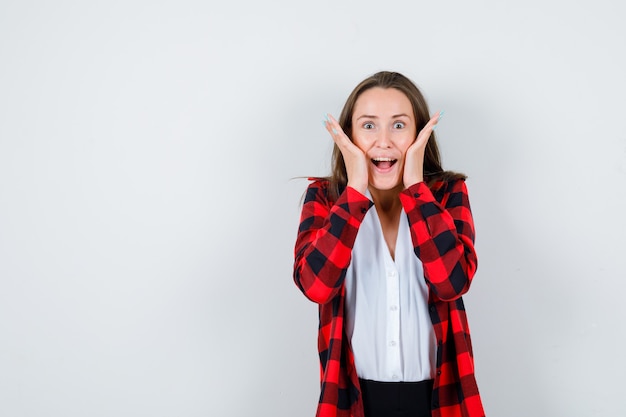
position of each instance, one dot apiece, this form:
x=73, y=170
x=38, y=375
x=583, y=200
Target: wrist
x=360, y=187
x=408, y=182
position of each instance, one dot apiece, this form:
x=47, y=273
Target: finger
x=434, y=121
x=333, y=124
x=329, y=127
x=430, y=126
x=336, y=132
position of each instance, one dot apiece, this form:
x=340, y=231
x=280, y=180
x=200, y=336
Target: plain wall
x=148, y=211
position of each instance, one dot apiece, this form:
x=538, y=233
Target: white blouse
x=387, y=319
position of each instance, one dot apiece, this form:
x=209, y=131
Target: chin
x=386, y=184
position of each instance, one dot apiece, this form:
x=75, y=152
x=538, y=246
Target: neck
x=387, y=200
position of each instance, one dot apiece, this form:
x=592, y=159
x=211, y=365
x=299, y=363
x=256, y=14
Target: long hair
x=433, y=171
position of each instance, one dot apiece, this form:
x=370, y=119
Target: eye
x=368, y=125
x=398, y=125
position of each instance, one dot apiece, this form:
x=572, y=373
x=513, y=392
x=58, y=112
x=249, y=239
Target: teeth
x=383, y=159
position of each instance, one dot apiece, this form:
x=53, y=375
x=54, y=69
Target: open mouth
x=384, y=163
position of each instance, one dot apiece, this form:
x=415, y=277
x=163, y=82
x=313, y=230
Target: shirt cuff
x=418, y=191
x=355, y=203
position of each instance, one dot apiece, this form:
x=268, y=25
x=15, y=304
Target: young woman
x=386, y=248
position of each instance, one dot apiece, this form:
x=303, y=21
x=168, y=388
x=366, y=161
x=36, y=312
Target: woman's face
x=383, y=127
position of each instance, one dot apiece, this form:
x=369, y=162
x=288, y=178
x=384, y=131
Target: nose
x=383, y=140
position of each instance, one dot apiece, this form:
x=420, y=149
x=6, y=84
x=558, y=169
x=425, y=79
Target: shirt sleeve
x=325, y=239
x=443, y=237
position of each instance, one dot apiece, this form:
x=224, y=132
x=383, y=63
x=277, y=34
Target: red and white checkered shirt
x=442, y=231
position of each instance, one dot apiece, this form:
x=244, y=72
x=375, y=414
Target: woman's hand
x=356, y=162
x=414, y=159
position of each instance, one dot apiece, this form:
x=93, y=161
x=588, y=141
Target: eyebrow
x=369, y=116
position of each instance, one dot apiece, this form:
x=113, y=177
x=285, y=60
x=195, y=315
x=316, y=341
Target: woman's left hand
x=414, y=158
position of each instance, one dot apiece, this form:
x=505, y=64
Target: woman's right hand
x=356, y=162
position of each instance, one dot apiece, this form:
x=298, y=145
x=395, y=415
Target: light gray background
x=148, y=215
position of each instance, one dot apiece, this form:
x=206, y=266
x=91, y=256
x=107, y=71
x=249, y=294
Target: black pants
x=397, y=399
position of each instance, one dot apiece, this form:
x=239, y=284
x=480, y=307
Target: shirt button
x=391, y=274
x=394, y=376
x=392, y=343
x=416, y=195
x=363, y=210
x=394, y=308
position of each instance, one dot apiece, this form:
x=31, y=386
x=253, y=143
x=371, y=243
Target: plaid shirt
x=442, y=231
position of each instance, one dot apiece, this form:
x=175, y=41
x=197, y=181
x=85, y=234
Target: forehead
x=382, y=102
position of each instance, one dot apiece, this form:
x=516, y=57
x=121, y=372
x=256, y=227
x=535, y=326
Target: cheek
x=361, y=143
x=404, y=143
